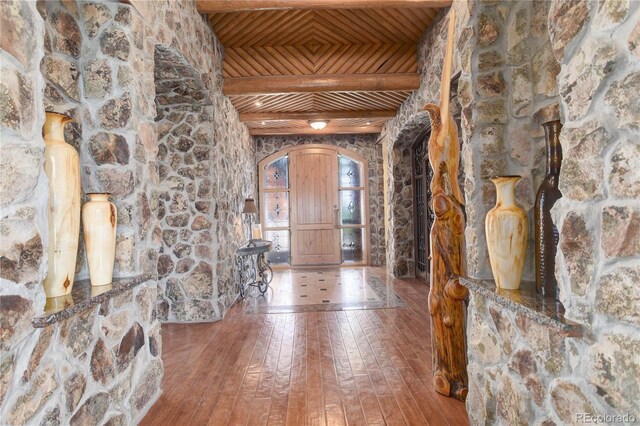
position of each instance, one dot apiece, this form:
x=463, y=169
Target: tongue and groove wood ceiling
x=351, y=62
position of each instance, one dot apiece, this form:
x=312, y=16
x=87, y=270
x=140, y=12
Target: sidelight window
x=352, y=219
x=275, y=201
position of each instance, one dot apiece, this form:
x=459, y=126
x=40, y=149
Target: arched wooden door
x=314, y=206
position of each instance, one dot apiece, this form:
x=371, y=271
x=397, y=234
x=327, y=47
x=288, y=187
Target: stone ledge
x=527, y=302
x=83, y=297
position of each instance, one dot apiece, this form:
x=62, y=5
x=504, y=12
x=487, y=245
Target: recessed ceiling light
x=258, y=103
x=368, y=123
x=318, y=124
x=262, y=122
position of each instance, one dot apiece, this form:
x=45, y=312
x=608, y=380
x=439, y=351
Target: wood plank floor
x=313, y=368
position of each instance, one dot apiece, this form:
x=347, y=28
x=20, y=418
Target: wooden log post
x=225, y=6
x=261, y=85
x=446, y=294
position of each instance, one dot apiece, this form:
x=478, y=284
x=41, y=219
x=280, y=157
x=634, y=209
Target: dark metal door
x=423, y=217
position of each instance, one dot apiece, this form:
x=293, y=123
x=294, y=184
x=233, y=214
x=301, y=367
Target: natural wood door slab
x=315, y=238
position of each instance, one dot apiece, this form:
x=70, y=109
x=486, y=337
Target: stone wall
x=23, y=182
x=518, y=58
x=200, y=228
x=206, y=167
x=521, y=372
x=92, y=53
x=399, y=133
x=514, y=77
x=101, y=366
x=364, y=145
x=507, y=74
x=102, y=64
x=95, y=61
x=66, y=372
x=118, y=143
x=599, y=214
x=23, y=199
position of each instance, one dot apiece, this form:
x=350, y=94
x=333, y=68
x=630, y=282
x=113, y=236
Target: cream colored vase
x=507, y=229
x=99, y=222
x=62, y=166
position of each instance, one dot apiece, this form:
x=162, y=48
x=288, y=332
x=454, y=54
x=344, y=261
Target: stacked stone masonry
x=117, y=140
x=200, y=197
x=521, y=372
x=93, y=53
x=96, y=62
x=514, y=78
x=100, y=366
x=596, y=45
x=365, y=145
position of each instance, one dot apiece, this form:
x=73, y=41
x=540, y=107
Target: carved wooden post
x=446, y=295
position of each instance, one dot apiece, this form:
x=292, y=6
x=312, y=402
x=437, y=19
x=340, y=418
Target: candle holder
x=256, y=232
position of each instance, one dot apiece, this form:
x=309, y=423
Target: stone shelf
x=527, y=302
x=84, y=296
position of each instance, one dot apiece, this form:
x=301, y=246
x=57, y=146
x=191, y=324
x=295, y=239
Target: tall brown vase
x=546, y=233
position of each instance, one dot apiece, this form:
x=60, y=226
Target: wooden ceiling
x=351, y=62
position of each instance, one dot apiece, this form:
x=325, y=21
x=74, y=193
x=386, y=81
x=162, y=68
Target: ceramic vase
x=546, y=233
x=507, y=229
x=62, y=166
x=99, y=222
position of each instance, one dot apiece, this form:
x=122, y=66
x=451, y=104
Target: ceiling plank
x=251, y=86
x=304, y=124
x=219, y=6
x=309, y=131
x=326, y=115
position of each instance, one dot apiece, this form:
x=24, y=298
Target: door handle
x=336, y=217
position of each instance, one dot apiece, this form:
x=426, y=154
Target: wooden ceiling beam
x=326, y=115
x=326, y=131
x=253, y=86
x=223, y=6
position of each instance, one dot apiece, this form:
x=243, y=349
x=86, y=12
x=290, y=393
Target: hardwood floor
x=313, y=368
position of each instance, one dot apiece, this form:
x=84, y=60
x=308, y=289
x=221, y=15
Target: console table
x=253, y=269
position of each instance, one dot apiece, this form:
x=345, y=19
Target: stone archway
x=187, y=263
x=176, y=81
x=400, y=231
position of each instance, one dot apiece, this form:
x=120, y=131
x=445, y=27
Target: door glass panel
x=352, y=244
x=350, y=172
x=277, y=204
x=276, y=174
x=280, y=248
x=351, y=207
x=418, y=185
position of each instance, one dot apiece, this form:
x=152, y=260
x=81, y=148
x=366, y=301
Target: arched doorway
x=403, y=196
x=314, y=206
x=423, y=215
